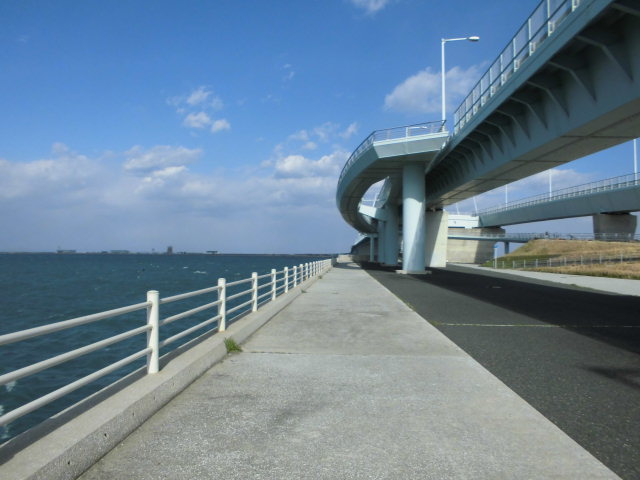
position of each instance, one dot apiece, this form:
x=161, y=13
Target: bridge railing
x=516, y=237
x=536, y=29
x=396, y=133
x=606, y=185
x=262, y=289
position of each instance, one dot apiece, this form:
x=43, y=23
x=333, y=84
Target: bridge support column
x=437, y=226
x=413, y=232
x=372, y=247
x=391, y=237
x=614, y=226
x=382, y=227
x=506, y=248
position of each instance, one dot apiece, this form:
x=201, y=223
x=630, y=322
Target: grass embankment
x=592, y=252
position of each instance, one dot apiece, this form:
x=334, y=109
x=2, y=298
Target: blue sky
x=224, y=125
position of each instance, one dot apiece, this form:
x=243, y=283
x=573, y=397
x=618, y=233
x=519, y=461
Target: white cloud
x=351, y=130
x=160, y=156
x=198, y=96
x=197, y=108
x=301, y=135
x=201, y=97
x=152, y=198
x=325, y=131
x=421, y=93
x=539, y=183
x=298, y=166
x=289, y=73
x=197, y=120
x=370, y=6
x=66, y=169
x=220, y=125
x=311, y=139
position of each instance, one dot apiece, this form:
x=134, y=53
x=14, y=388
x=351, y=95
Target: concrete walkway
x=348, y=383
x=619, y=286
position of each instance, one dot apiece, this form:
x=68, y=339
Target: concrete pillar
x=382, y=226
x=506, y=248
x=392, y=237
x=372, y=248
x=413, y=233
x=437, y=232
x=471, y=251
x=614, y=226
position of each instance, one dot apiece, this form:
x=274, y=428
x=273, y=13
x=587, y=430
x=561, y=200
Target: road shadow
x=609, y=318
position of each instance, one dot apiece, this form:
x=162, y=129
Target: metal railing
x=542, y=23
x=396, y=133
x=606, y=185
x=525, y=237
x=277, y=283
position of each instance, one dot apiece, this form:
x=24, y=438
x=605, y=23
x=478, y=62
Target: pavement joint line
x=320, y=354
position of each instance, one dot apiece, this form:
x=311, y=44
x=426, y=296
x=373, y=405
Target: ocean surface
x=38, y=289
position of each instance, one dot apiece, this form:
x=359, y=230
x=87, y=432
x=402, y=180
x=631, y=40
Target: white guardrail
x=263, y=289
x=606, y=185
x=395, y=133
x=536, y=29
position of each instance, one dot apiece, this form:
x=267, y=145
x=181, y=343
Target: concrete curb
x=69, y=443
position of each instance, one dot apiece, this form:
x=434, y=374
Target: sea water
x=38, y=289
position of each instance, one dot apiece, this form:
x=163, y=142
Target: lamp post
x=635, y=160
x=445, y=40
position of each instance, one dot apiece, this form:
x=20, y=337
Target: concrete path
x=348, y=383
x=618, y=286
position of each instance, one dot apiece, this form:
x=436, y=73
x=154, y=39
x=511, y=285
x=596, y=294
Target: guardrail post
x=153, y=336
x=273, y=284
x=286, y=279
x=222, y=306
x=295, y=276
x=254, y=291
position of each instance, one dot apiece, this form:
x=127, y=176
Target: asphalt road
x=573, y=354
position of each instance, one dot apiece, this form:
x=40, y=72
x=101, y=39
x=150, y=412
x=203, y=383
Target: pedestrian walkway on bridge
x=348, y=382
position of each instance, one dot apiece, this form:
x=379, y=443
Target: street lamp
x=445, y=40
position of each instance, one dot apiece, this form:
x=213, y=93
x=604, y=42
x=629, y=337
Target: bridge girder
x=579, y=94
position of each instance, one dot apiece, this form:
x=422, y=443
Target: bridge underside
x=579, y=94
x=381, y=160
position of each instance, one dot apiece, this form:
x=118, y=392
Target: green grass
x=231, y=345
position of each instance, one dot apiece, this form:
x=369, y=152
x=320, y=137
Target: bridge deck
x=348, y=382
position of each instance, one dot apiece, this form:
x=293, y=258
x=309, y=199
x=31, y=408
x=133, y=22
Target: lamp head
x=473, y=39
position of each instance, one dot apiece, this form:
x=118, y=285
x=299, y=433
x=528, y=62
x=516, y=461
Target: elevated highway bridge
x=566, y=85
